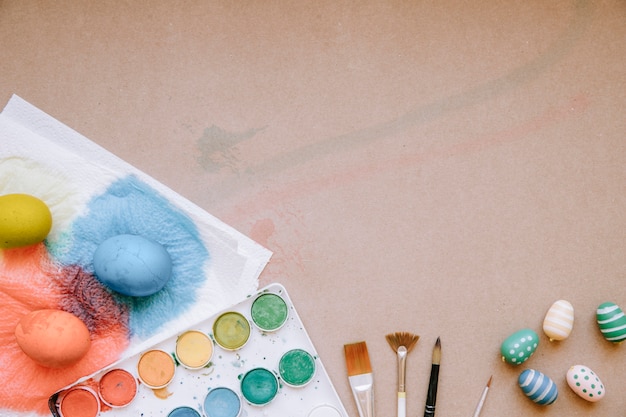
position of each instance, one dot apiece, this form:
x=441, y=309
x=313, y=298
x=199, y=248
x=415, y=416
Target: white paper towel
x=30, y=139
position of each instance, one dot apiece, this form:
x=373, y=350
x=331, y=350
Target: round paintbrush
x=402, y=343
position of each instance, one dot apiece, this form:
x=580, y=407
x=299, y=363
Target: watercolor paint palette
x=254, y=358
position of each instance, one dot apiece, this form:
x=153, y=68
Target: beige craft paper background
x=446, y=168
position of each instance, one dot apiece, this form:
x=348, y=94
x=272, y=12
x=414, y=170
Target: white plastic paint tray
x=189, y=387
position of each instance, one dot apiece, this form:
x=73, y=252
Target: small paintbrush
x=360, y=377
x=402, y=343
x=431, y=396
x=483, y=397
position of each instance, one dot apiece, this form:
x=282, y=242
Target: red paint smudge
x=262, y=231
x=268, y=201
x=85, y=297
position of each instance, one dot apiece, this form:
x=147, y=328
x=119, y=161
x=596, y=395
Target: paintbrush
x=431, y=396
x=402, y=343
x=360, y=377
x=481, y=402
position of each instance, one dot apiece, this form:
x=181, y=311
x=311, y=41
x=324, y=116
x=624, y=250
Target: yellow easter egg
x=53, y=338
x=24, y=220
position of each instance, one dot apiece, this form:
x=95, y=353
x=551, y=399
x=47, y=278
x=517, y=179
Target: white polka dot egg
x=585, y=383
x=519, y=347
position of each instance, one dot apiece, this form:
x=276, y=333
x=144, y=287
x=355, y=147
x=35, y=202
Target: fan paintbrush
x=402, y=343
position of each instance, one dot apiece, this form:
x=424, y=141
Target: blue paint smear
x=132, y=207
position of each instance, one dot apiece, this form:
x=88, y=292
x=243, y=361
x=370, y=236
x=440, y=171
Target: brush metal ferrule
x=402, y=354
x=363, y=390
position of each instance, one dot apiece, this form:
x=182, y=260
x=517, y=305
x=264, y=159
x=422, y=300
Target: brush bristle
x=357, y=359
x=437, y=352
x=408, y=340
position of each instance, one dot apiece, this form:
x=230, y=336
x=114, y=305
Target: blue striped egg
x=519, y=347
x=612, y=322
x=538, y=387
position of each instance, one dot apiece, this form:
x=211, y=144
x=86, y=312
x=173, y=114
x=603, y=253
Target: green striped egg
x=612, y=322
x=519, y=347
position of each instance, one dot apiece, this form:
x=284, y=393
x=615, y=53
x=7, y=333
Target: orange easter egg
x=53, y=338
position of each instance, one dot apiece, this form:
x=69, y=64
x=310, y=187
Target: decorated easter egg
x=53, y=338
x=24, y=220
x=132, y=265
x=559, y=320
x=585, y=383
x=612, y=322
x=519, y=347
x=538, y=387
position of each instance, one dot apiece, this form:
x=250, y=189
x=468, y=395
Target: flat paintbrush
x=431, y=396
x=402, y=343
x=360, y=377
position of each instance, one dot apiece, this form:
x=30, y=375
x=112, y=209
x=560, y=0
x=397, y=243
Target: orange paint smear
x=162, y=393
x=27, y=283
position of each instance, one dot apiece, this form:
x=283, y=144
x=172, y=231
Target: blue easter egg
x=132, y=265
x=538, y=387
